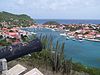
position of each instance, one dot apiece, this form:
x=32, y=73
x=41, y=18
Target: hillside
x=7, y=19
x=51, y=23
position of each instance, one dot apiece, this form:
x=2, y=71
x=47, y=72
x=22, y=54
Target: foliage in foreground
x=3, y=42
x=52, y=58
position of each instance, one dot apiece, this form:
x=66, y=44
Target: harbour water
x=85, y=52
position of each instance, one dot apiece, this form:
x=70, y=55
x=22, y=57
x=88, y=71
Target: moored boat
x=63, y=34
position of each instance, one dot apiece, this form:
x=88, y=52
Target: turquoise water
x=85, y=52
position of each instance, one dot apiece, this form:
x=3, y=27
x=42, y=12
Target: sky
x=53, y=9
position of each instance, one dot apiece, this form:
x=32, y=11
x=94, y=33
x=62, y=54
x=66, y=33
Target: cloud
x=20, y=2
x=56, y=4
x=52, y=8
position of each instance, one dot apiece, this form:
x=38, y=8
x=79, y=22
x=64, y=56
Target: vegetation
x=52, y=58
x=51, y=23
x=81, y=68
x=12, y=20
x=1, y=37
x=24, y=39
x=3, y=42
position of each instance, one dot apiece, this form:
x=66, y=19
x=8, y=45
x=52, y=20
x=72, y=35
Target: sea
x=68, y=21
x=84, y=52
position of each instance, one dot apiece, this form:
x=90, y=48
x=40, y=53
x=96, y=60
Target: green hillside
x=15, y=20
x=51, y=23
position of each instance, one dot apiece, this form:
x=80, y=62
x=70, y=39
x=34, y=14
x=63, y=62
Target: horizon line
x=61, y=19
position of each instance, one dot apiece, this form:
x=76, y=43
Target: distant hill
x=51, y=23
x=15, y=20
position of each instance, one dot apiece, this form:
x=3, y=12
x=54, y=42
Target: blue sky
x=53, y=9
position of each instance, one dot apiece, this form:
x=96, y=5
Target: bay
x=84, y=52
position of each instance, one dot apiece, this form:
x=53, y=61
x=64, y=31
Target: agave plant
x=67, y=67
x=55, y=56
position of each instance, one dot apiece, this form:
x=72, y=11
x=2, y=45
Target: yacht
x=63, y=34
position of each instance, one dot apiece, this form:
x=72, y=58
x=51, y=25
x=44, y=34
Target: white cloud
x=56, y=4
x=20, y=2
x=53, y=7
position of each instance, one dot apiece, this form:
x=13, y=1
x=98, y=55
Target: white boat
x=80, y=40
x=74, y=39
x=53, y=29
x=33, y=33
x=71, y=36
x=67, y=38
x=66, y=30
x=63, y=34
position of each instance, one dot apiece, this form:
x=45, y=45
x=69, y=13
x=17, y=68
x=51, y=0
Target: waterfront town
x=75, y=31
x=49, y=37
x=13, y=35
x=16, y=33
